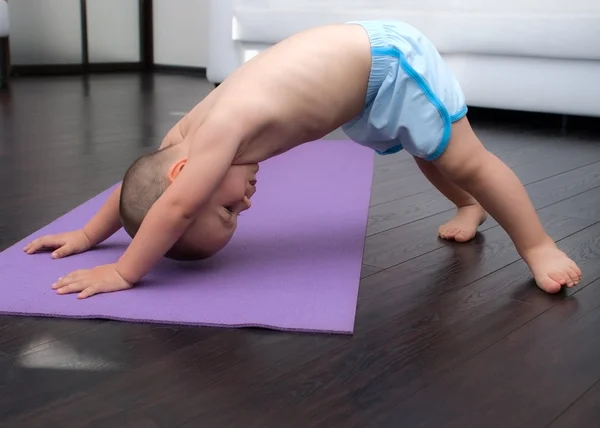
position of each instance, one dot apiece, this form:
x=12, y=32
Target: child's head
x=150, y=175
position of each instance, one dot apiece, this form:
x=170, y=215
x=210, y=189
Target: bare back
x=296, y=91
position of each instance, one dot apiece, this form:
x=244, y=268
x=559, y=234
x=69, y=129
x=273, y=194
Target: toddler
x=382, y=82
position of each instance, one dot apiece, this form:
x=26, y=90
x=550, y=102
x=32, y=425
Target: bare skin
x=295, y=92
x=472, y=168
x=469, y=213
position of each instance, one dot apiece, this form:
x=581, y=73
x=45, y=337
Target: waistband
x=378, y=38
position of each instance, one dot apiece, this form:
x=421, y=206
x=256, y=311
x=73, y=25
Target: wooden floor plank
x=584, y=413
x=421, y=336
x=584, y=205
x=368, y=271
x=399, y=244
x=45, y=371
x=555, y=368
x=444, y=328
x=406, y=210
x=434, y=323
x=22, y=334
x=532, y=157
x=563, y=186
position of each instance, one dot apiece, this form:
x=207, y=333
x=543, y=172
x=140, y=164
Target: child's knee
x=465, y=157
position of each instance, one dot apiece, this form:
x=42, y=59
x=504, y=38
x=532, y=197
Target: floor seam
x=524, y=185
x=484, y=229
x=463, y=362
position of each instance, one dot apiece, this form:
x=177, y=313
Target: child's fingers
x=42, y=243
x=64, y=251
x=74, y=287
x=87, y=292
x=71, y=283
x=32, y=246
x=72, y=278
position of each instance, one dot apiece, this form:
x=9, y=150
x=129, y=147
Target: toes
x=447, y=232
x=561, y=277
x=574, y=266
x=573, y=276
x=443, y=229
x=463, y=236
x=455, y=233
x=549, y=285
x=564, y=277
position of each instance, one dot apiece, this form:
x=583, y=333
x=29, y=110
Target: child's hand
x=63, y=244
x=87, y=282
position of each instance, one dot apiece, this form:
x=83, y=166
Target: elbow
x=174, y=209
x=183, y=211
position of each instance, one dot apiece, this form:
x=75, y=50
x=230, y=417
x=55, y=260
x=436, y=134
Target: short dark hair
x=144, y=182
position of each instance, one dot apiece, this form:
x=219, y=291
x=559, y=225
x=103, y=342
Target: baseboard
x=45, y=70
x=179, y=69
x=115, y=67
x=69, y=69
x=4, y=62
x=537, y=119
x=73, y=69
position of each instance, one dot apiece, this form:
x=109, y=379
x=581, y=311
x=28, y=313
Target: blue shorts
x=412, y=97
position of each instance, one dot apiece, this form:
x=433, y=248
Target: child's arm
x=105, y=223
x=212, y=150
x=100, y=227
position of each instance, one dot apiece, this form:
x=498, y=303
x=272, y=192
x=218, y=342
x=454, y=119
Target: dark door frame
x=146, y=62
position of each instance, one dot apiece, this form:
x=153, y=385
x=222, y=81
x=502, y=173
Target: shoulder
x=173, y=137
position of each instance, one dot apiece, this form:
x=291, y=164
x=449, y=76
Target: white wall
x=113, y=30
x=181, y=32
x=4, y=25
x=381, y=8
x=45, y=32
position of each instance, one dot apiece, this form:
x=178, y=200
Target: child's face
x=216, y=223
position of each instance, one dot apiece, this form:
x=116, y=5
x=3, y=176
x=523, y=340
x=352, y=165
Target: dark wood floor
x=446, y=335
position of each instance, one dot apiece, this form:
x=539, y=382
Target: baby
x=388, y=88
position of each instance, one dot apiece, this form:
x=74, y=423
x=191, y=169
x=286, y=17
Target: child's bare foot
x=463, y=226
x=551, y=268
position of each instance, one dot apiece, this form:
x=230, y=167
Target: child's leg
x=469, y=165
x=469, y=214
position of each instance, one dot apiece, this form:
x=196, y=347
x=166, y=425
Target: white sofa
x=534, y=55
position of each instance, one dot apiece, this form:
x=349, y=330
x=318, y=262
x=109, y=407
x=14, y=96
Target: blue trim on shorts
x=441, y=108
x=459, y=114
x=391, y=150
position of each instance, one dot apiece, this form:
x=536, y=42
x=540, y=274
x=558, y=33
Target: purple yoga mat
x=294, y=263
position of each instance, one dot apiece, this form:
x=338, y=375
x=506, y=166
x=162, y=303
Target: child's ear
x=176, y=168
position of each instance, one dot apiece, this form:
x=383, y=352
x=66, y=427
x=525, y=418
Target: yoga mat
x=294, y=263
